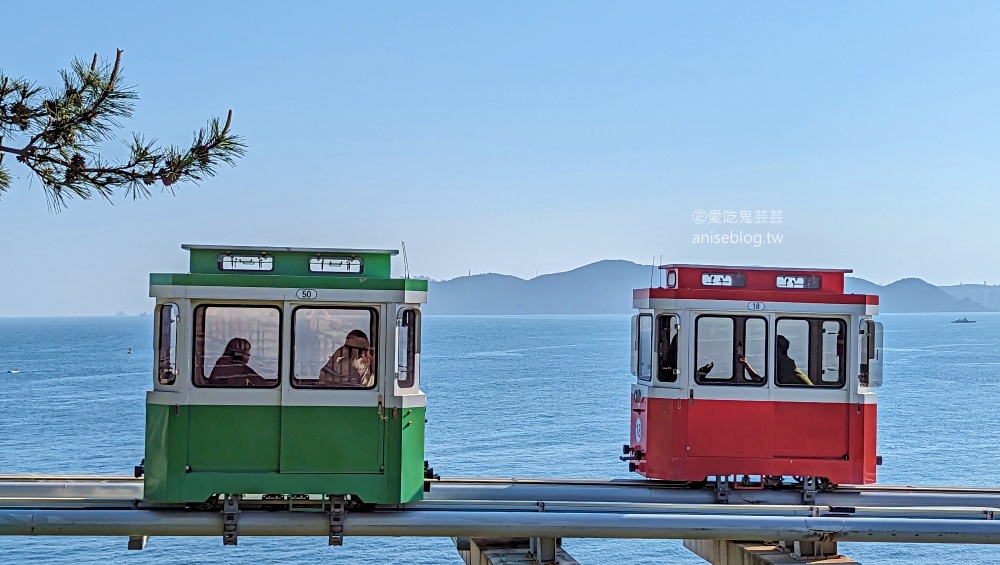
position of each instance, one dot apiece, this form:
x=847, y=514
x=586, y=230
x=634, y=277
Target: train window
x=833, y=361
x=166, y=370
x=334, y=347
x=810, y=352
x=343, y=265
x=714, y=349
x=407, y=347
x=229, y=262
x=237, y=346
x=731, y=350
x=723, y=279
x=792, y=353
x=799, y=281
x=645, y=346
x=667, y=327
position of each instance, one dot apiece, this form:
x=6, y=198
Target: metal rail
x=125, y=492
x=500, y=524
x=538, y=508
x=653, y=492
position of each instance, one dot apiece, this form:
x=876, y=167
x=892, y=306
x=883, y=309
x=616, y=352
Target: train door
x=233, y=407
x=812, y=399
x=332, y=403
x=728, y=412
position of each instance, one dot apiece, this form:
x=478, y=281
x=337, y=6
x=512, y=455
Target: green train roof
x=239, y=265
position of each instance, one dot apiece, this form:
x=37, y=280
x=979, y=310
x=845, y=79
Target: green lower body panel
x=323, y=439
x=195, y=452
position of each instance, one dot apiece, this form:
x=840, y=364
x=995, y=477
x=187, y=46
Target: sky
x=527, y=137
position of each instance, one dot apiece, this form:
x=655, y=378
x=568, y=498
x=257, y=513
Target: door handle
x=381, y=414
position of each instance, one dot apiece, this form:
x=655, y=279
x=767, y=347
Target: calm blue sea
x=508, y=396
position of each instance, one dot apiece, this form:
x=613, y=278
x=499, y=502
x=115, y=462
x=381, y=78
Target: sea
x=508, y=396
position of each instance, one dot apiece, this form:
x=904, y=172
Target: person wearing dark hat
x=351, y=365
x=232, y=370
x=788, y=372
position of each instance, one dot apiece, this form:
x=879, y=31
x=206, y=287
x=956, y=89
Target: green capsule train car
x=285, y=371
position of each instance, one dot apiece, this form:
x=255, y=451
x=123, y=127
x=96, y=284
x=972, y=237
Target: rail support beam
x=512, y=551
x=230, y=520
x=722, y=490
x=811, y=549
x=725, y=552
x=808, y=491
x=543, y=550
x=337, y=505
x=137, y=542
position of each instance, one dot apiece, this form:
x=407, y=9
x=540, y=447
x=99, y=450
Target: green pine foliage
x=56, y=133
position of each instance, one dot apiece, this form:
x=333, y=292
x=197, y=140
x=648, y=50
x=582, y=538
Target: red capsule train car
x=751, y=371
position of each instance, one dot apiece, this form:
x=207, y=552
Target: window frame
x=373, y=338
x=259, y=258
x=172, y=332
x=194, y=347
x=651, y=346
x=816, y=352
x=412, y=347
x=739, y=330
x=322, y=258
x=662, y=347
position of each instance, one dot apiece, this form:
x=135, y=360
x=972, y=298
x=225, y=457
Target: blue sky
x=525, y=137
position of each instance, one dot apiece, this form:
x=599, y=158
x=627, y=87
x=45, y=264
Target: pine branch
x=65, y=127
x=4, y=175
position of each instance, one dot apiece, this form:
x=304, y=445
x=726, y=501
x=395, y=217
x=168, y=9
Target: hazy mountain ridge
x=913, y=295
x=987, y=295
x=605, y=287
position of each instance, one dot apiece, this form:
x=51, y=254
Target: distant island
x=606, y=287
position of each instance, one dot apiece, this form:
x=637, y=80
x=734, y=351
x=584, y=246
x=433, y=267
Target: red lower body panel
x=688, y=440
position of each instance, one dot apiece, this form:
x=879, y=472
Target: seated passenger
x=351, y=364
x=232, y=370
x=669, y=362
x=788, y=372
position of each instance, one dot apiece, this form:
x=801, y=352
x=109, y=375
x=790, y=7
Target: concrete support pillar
x=543, y=550
x=513, y=551
x=725, y=552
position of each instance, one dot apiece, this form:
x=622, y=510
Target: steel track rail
x=123, y=479
x=930, y=512
x=501, y=524
x=58, y=491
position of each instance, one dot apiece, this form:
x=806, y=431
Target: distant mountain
x=606, y=287
x=912, y=295
x=987, y=295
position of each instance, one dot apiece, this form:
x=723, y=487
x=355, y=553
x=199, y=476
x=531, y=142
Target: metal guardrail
x=469, y=507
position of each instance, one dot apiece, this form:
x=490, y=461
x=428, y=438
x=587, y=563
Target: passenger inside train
x=351, y=364
x=749, y=372
x=667, y=371
x=232, y=365
x=788, y=372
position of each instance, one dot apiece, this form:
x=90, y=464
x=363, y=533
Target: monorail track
x=103, y=491
x=494, y=507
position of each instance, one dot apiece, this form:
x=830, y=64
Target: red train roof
x=754, y=268
x=785, y=284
